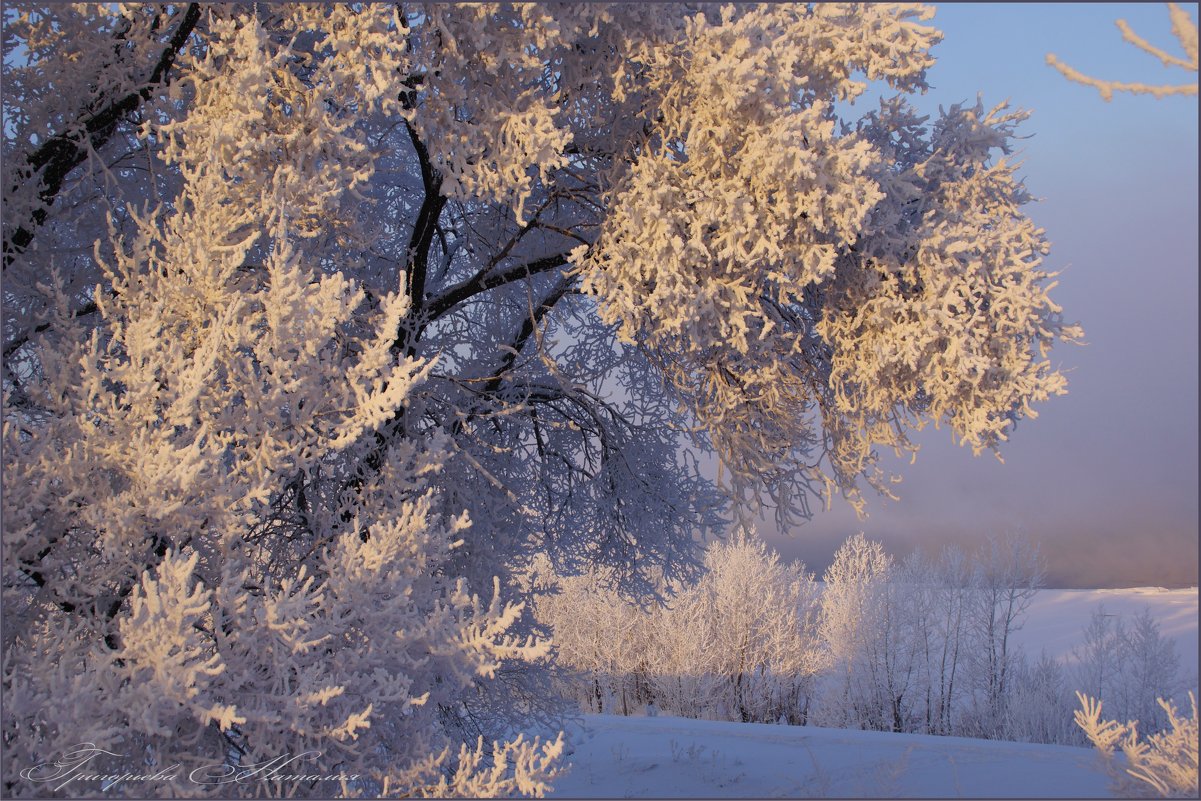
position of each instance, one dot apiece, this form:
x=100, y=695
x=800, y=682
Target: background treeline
x=924, y=645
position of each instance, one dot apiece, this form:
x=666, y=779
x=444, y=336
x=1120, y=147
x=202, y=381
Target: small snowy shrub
x=1162, y=764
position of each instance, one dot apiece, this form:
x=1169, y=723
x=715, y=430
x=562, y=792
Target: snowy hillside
x=663, y=757
x=669, y=757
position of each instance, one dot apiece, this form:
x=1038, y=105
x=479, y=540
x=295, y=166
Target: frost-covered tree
x=949, y=585
x=603, y=642
x=1151, y=669
x=1129, y=664
x=1039, y=706
x=927, y=645
x=202, y=576
x=758, y=620
x=738, y=644
x=322, y=321
x=935, y=618
x=681, y=656
x=1006, y=575
x=859, y=616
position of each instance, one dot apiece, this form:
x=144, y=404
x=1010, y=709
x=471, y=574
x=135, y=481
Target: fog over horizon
x=1105, y=481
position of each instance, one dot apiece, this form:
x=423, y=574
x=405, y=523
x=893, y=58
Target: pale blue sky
x=1106, y=478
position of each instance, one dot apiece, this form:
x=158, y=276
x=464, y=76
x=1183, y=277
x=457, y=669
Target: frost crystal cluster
x=322, y=322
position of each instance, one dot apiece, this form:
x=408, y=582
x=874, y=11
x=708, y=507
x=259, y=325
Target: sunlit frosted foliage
x=812, y=289
x=184, y=495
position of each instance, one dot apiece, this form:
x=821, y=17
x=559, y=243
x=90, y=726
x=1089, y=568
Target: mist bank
x=1072, y=560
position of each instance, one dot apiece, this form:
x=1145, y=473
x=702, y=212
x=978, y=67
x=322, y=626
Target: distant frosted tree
x=1185, y=31
x=935, y=617
x=1151, y=670
x=1039, y=706
x=758, y=618
x=1097, y=655
x=860, y=617
x=604, y=639
x=1007, y=574
x=951, y=585
x=1130, y=664
x=321, y=322
x=681, y=652
x=740, y=643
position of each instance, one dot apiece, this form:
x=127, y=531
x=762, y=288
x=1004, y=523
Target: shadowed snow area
x=662, y=757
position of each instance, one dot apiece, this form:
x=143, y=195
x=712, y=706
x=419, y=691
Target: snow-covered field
x=662, y=757
x=665, y=757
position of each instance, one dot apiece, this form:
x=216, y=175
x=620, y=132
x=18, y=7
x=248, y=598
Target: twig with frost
x=1185, y=31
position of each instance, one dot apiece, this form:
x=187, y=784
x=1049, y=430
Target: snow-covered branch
x=1185, y=31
